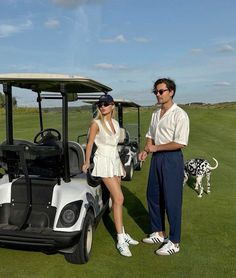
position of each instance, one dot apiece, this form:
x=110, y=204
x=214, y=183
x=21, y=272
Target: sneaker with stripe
x=123, y=248
x=128, y=239
x=155, y=238
x=168, y=249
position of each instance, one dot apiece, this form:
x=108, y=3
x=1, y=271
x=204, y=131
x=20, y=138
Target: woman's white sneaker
x=155, y=238
x=168, y=249
x=124, y=249
x=128, y=239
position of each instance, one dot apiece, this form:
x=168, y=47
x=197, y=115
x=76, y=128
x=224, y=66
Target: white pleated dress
x=106, y=160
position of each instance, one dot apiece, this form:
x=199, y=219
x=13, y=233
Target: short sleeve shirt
x=173, y=126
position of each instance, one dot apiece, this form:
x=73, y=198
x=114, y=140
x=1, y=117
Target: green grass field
x=208, y=227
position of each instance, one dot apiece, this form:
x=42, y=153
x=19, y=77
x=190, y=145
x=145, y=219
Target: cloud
x=226, y=48
x=52, y=23
x=75, y=3
x=106, y=66
x=222, y=84
x=6, y=30
x=141, y=40
x=118, y=39
x=196, y=50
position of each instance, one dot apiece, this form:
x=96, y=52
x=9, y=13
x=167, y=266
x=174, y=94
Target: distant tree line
x=2, y=100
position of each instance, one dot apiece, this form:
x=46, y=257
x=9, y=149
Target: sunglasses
x=161, y=92
x=105, y=104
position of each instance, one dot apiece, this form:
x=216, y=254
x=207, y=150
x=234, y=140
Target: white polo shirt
x=172, y=127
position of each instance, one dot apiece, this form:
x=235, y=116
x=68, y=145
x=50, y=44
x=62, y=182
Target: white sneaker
x=168, y=249
x=155, y=238
x=124, y=249
x=130, y=240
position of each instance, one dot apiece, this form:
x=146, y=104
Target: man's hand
x=151, y=148
x=142, y=155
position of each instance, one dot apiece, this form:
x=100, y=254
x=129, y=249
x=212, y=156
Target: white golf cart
x=46, y=202
x=129, y=145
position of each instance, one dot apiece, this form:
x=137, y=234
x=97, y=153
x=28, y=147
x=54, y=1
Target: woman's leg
x=114, y=186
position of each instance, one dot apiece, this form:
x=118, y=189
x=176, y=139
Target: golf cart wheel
x=83, y=248
x=129, y=171
x=139, y=166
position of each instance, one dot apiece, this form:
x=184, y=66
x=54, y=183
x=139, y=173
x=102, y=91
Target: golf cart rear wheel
x=139, y=166
x=129, y=171
x=83, y=248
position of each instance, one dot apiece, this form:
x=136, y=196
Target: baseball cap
x=105, y=98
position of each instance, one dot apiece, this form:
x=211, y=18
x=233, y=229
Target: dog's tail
x=213, y=168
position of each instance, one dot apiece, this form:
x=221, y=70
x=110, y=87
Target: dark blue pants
x=164, y=192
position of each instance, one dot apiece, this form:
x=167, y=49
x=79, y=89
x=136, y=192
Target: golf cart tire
x=83, y=248
x=139, y=166
x=129, y=172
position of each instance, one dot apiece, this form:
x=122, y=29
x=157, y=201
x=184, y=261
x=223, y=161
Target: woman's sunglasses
x=105, y=104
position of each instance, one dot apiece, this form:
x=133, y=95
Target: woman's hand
x=85, y=167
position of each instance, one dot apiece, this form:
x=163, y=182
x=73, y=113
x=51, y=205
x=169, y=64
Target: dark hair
x=170, y=84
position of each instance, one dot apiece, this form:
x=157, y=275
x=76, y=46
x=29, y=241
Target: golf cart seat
x=76, y=158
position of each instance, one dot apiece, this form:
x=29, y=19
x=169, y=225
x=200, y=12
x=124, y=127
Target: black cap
x=105, y=98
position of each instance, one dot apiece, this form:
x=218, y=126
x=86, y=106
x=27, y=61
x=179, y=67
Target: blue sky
x=126, y=44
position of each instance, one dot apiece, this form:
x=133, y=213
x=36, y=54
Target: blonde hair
x=100, y=117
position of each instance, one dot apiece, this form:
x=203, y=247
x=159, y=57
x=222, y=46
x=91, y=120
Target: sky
x=125, y=44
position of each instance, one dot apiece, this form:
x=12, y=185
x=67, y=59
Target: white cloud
x=222, y=84
x=52, y=23
x=196, y=50
x=141, y=40
x=118, y=39
x=7, y=30
x=226, y=48
x=106, y=66
x=75, y=3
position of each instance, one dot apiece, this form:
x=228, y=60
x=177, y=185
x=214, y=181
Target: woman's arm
x=92, y=133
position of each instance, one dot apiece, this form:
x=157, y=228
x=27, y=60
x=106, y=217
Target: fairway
x=208, y=228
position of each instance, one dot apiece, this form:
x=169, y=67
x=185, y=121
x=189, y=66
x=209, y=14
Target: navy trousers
x=164, y=192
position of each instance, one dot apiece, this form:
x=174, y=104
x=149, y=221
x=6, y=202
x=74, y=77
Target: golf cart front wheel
x=83, y=248
x=129, y=172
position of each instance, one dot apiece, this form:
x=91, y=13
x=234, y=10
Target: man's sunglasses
x=105, y=104
x=160, y=92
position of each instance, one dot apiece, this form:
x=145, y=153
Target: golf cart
x=46, y=202
x=129, y=145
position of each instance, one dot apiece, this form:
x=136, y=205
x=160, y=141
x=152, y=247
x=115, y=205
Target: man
x=167, y=135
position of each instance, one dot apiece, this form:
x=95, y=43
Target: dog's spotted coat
x=199, y=168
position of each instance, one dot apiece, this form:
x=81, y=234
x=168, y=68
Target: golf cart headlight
x=69, y=214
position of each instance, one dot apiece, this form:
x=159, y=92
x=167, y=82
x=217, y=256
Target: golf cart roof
x=123, y=102
x=44, y=82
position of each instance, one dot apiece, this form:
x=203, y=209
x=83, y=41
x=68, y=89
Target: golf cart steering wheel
x=47, y=133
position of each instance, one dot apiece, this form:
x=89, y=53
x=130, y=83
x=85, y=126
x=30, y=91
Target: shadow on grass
x=135, y=209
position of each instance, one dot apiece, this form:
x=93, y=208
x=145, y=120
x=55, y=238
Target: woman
x=104, y=132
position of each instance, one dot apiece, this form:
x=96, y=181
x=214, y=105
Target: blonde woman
x=104, y=132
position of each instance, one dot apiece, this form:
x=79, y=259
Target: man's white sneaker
x=155, y=238
x=124, y=249
x=168, y=249
x=128, y=239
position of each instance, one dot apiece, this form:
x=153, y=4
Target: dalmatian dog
x=199, y=168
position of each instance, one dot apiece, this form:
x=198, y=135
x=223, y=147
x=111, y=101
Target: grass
x=208, y=226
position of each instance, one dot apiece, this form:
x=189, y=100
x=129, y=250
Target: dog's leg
x=199, y=185
x=208, y=177
x=185, y=178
